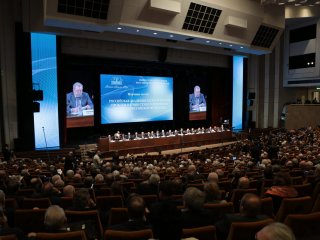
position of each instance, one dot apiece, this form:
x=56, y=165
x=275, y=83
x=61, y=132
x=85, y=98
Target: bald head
x=250, y=205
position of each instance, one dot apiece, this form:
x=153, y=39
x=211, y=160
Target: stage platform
x=163, y=143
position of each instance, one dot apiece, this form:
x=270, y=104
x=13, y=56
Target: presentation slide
x=135, y=98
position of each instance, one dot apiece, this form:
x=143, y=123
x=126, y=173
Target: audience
x=275, y=156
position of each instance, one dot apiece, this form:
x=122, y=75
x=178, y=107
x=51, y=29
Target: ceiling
x=232, y=27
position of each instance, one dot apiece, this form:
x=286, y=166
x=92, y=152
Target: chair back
x=29, y=220
x=150, y=199
x=246, y=230
x=66, y=202
x=105, y=203
x=267, y=207
x=128, y=235
x=304, y=225
x=316, y=205
x=9, y=237
x=218, y=210
x=288, y=206
x=117, y=216
x=203, y=233
x=30, y=203
x=90, y=219
x=303, y=189
x=75, y=235
x=316, y=192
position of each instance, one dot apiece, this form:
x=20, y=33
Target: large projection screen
x=126, y=98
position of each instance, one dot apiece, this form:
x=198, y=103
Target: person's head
x=275, y=231
x=99, y=178
x=243, y=183
x=81, y=199
x=196, y=91
x=193, y=198
x=154, y=179
x=54, y=217
x=250, y=205
x=68, y=191
x=213, y=177
x=77, y=89
x=212, y=191
x=136, y=207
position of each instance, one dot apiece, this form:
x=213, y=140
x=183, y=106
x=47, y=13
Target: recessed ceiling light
x=241, y=47
x=230, y=45
x=281, y=3
x=138, y=30
x=297, y=4
x=317, y=2
x=119, y=28
x=207, y=41
x=220, y=43
x=171, y=35
x=155, y=33
x=291, y=0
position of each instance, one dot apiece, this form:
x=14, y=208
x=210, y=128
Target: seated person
x=250, y=206
x=82, y=201
x=165, y=217
x=193, y=214
x=281, y=189
x=136, y=212
x=77, y=100
x=212, y=192
x=6, y=230
x=196, y=100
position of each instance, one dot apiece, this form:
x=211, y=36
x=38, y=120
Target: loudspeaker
x=251, y=95
x=163, y=52
x=37, y=95
x=36, y=107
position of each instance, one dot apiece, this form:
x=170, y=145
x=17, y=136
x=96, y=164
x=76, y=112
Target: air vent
x=201, y=18
x=264, y=37
x=86, y=8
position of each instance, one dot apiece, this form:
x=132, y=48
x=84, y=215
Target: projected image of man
x=197, y=101
x=77, y=100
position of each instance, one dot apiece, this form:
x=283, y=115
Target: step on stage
x=162, y=143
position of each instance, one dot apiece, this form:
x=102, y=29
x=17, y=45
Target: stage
x=162, y=143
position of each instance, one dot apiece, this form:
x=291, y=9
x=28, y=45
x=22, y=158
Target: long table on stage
x=162, y=143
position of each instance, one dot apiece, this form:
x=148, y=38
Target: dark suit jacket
x=165, y=218
x=193, y=101
x=223, y=226
x=196, y=218
x=134, y=225
x=71, y=101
